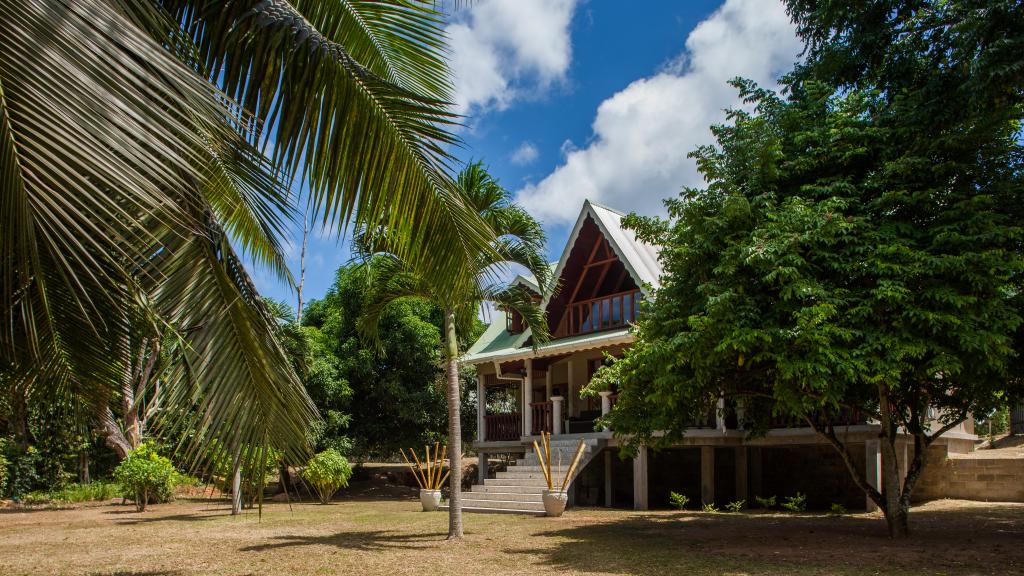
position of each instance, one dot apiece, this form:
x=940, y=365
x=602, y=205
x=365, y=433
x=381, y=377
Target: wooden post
x=741, y=473
x=528, y=399
x=707, y=474
x=481, y=408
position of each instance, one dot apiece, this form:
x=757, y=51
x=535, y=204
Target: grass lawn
x=392, y=537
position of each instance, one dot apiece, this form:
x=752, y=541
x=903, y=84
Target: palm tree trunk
x=454, y=428
x=236, y=485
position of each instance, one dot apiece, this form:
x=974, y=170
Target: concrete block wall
x=990, y=480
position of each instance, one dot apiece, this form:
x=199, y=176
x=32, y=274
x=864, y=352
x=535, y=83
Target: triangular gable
x=639, y=259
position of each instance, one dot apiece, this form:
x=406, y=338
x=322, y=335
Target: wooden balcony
x=499, y=427
x=604, y=313
x=542, y=418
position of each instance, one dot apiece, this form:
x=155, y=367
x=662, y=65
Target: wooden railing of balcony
x=503, y=426
x=542, y=418
x=603, y=313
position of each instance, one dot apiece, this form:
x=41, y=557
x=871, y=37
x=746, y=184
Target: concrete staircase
x=518, y=489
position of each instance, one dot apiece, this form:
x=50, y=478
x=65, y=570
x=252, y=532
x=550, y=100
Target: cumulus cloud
x=502, y=48
x=524, y=154
x=637, y=155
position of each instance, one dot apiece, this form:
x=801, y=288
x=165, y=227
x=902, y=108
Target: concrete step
x=509, y=489
x=516, y=482
x=485, y=510
x=506, y=496
x=515, y=473
x=503, y=504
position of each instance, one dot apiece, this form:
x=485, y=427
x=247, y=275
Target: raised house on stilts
x=603, y=275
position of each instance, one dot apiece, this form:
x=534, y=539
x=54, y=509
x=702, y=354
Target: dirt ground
x=377, y=533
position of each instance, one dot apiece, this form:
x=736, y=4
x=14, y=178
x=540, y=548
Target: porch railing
x=542, y=417
x=603, y=313
x=503, y=426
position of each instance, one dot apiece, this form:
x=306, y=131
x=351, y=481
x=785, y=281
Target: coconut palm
x=519, y=241
x=143, y=142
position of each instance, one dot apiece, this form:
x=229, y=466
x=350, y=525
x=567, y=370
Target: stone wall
x=985, y=479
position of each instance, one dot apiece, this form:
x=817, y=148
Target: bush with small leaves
x=796, y=503
x=837, y=509
x=766, y=503
x=710, y=507
x=327, y=472
x=678, y=500
x=146, y=476
x=736, y=506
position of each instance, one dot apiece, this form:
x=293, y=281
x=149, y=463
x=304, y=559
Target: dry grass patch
x=389, y=537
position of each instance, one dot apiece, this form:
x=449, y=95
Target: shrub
x=796, y=503
x=710, y=507
x=327, y=472
x=146, y=476
x=837, y=508
x=766, y=503
x=736, y=506
x=678, y=500
x=3, y=474
x=73, y=493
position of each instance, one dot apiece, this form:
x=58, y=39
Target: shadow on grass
x=137, y=573
x=375, y=540
x=143, y=518
x=696, y=543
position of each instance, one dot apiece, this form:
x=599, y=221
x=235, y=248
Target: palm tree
x=143, y=141
x=519, y=240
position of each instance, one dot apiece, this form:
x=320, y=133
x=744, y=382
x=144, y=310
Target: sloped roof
x=639, y=258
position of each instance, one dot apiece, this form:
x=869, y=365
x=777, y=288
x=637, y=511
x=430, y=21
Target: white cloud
x=502, y=48
x=637, y=155
x=524, y=154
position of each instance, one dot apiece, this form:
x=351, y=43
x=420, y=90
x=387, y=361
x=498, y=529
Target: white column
x=556, y=415
x=547, y=381
x=481, y=408
x=528, y=398
x=720, y=415
x=872, y=469
x=606, y=404
x=571, y=385
x=640, y=479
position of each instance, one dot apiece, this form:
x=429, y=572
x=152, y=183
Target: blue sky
x=573, y=99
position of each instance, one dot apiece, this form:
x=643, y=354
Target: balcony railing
x=503, y=427
x=604, y=313
x=542, y=418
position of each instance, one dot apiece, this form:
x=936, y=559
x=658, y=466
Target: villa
x=603, y=275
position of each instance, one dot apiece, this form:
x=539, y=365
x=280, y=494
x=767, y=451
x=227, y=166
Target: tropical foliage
x=146, y=476
x=857, y=249
x=519, y=240
x=326, y=473
x=132, y=172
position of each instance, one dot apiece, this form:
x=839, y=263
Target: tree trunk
x=83, y=467
x=454, y=428
x=236, y=486
x=895, y=511
x=302, y=263
x=112, y=434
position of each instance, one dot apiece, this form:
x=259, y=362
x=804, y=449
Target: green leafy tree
x=327, y=472
x=145, y=476
x=129, y=185
x=519, y=240
x=857, y=247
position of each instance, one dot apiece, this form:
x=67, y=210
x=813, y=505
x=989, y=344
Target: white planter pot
x=554, y=502
x=430, y=499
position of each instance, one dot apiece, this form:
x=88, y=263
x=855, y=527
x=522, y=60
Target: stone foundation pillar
x=640, y=479
x=741, y=473
x=481, y=467
x=707, y=474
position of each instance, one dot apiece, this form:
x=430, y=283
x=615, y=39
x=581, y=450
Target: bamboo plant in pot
x=428, y=475
x=556, y=495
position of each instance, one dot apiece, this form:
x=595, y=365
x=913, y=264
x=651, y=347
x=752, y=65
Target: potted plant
x=428, y=478
x=556, y=496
